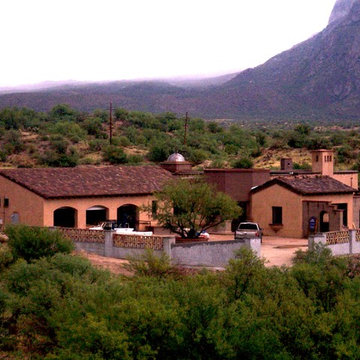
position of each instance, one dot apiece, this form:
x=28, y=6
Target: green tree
x=187, y=207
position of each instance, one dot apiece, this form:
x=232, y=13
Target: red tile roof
x=309, y=185
x=89, y=181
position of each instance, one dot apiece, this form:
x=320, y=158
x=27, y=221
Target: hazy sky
x=126, y=39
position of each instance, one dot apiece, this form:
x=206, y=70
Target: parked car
x=112, y=225
x=248, y=230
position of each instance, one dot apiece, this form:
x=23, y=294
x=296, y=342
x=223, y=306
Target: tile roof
x=89, y=181
x=309, y=185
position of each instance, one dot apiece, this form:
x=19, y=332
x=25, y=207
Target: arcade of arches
x=83, y=213
x=127, y=216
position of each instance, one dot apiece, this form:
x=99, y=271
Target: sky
x=95, y=40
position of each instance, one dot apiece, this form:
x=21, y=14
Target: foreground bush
x=32, y=243
x=60, y=307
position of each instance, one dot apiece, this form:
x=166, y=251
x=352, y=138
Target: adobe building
x=298, y=205
x=79, y=197
x=322, y=164
x=237, y=183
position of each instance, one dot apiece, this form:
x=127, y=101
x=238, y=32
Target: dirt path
x=116, y=266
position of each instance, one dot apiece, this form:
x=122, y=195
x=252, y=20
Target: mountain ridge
x=317, y=78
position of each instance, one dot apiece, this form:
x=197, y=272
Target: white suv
x=248, y=230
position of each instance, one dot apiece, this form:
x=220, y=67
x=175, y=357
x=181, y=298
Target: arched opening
x=65, y=217
x=128, y=216
x=96, y=215
x=324, y=221
x=14, y=218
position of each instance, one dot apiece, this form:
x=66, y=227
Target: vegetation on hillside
x=65, y=137
x=60, y=307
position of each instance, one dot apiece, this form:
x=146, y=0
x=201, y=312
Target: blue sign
x=312, y=223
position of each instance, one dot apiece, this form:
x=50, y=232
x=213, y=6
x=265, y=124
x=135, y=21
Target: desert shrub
x=159, y=152
x=114, y=155
x=135, y=159
x=69, y=158
x=344, y=154
x=6, y=256
x=150, y=264
x=243, y=163
x=198, y=156
x=3, y=155
x=97, y=144
x=32, y=243
x=13, y=142
x=93, y=126
x=302, y=166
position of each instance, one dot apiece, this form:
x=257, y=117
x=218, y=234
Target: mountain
x=318, y=79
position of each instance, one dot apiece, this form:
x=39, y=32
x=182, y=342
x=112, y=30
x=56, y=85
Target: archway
x=65, y=217
x=324, y=221
x=128, y=216
x=96, y=215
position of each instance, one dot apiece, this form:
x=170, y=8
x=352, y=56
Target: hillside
x=316, y=79
x=65, y=137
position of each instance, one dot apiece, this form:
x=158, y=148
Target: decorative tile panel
x=138, y=241
x=83, y=235
x=337, y=237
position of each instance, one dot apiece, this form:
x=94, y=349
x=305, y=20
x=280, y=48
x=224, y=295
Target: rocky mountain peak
x=341, y=9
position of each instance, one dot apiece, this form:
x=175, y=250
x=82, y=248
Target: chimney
x=286, y=164
x=323, y=162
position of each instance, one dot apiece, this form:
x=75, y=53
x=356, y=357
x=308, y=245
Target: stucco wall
x=236, y=182
x=215, y=253
x=212, y=253
x=261, y=210
x=94, y=248
x=81, y=204
x=292, y=210
x=27, y=204
x=350, y=179
x=356, y=212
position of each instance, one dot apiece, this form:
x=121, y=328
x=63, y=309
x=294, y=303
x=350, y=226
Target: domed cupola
x=176, y=164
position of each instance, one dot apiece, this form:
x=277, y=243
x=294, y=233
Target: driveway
x=280, y=251
x=276, y=250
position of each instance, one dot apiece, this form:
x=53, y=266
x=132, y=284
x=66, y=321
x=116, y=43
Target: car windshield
x=248, y=226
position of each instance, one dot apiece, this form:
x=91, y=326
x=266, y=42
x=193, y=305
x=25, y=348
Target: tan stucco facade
x=82, y=204
x=292, y=209
x=347, y=178
x=23, y=202
x=32, y=209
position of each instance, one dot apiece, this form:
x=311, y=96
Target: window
x=277, y=215
x=317, y=158
x=154, y=208
x=6, y=202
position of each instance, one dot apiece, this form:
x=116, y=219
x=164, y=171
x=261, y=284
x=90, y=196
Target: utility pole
x=186, y=127
x=110, y=124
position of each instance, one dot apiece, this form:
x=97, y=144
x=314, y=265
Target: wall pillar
x=167, y=242
x=352, y=241
x=112, y=213
x=81, y=219
x=316, y=239
x=109, y=242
